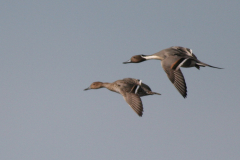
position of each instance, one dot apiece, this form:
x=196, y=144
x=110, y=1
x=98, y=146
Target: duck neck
x=108, y=86
x=148, y=57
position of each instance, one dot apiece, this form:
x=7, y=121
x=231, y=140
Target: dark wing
x=143, y=90
x=135, y=102
x=175, y=76
x=145, y=87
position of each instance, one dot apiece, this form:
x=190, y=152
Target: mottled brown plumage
x=131, y=89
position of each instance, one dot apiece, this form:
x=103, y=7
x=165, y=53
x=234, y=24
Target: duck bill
x=87, y=89
x=129, y=61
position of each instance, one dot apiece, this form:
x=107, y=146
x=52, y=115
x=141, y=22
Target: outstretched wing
x=175, y=75
x=135, y=102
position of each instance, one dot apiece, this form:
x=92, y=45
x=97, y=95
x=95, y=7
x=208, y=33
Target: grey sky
x=52, y=50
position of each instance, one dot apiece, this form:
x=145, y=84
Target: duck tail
x=151, y=93
x=201, y=64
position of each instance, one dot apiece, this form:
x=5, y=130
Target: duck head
x=95, y=85
x=136, y=59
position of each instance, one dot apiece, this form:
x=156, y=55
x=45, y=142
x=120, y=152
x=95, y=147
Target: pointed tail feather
x=156, y=93
x=150, y=92
x=204, y=64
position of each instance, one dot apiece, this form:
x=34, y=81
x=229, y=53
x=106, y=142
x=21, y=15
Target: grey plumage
x=172, y=59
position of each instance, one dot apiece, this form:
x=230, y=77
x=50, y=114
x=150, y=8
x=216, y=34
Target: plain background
x=53, y=49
